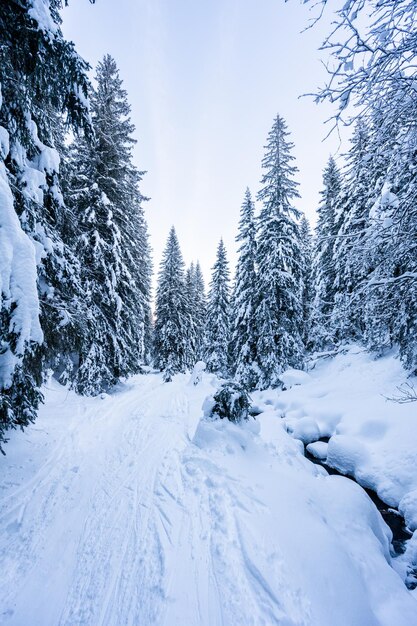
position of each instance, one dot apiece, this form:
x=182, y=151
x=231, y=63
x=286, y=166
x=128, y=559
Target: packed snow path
x=129, y=510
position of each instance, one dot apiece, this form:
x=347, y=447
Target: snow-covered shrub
x=231, y=401
x=197, y=373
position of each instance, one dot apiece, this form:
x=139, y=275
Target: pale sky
x=205, y=79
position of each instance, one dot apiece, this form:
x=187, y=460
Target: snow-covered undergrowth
x=131, y=509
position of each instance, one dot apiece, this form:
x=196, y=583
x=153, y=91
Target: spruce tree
x=279, y=310
x=172, y=312
x=217, y=335
x=350, y=270
x=42, y=80
x=111, y=240
x=191, y=333
x=390, y=286
x=199, y=309
x=307, y=280
x=324, y=261
x=244, y=336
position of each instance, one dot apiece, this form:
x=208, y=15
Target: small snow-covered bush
x=197, y=373
x=231, y=401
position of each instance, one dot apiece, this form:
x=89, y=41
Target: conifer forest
x=182, y=445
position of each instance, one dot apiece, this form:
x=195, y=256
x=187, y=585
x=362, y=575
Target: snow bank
x=371, y=437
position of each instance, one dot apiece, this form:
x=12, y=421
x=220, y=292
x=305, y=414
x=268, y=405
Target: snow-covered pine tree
x=200, y=309
x=244, y=338
x=376, y=297
x=112, y=241
x=279, y=314
x=324, y=262
x=390, y=289
x=189, y=319
x=172, y=312
x=306, y=242
x=349, y=244
x=41, y=79
x=217, y=335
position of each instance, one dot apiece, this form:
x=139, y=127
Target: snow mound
x=408, y=508
x=305, y=429
x=292, y=377
x=346, y=454
x=318, y=449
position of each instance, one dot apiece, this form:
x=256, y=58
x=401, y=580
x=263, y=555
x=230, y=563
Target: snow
x=305, y=429
x=293, y=377
x=48, y=158
x=4, y=142
x=141, y=511
x=197, y=373
x=372, y=438
x=318, y=449
x=17, y=283
x=41, y=13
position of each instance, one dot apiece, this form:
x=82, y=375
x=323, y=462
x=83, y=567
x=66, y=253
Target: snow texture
x=197, y=373
x=140, y=512
x=293, y=377
x=372, y=437
x=17, y=282
x=41, y=13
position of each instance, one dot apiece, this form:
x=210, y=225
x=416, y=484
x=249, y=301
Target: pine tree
x=172, y=312
x=244, y=337
x=307, y=280
x=390, y=288
x=279, y=284
x=199, y=309
x=189, y=320
x=351, y=224
x=111, y=241
x=217, y=335
x=324, y=261
x=42, y=79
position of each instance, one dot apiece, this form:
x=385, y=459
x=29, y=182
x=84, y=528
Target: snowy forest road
x=129, y=510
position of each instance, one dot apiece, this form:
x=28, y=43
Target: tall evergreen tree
x=191, y=331
x=324, y=261
x=42, y=79
x=307, y=280
x=172, y=312
x=199, y=309
x=244, y=336
x=279, y=285
x=390, y=286
x=217, y=335
x=112, y=241
x=349, y=244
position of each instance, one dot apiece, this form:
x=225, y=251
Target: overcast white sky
x=205, y=79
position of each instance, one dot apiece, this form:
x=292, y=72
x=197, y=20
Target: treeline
x=75, y=269
x=293, y=293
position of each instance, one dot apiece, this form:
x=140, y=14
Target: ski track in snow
x=127, y=522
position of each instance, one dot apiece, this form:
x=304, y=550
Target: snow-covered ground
x=373, y=438
x=132, y=510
